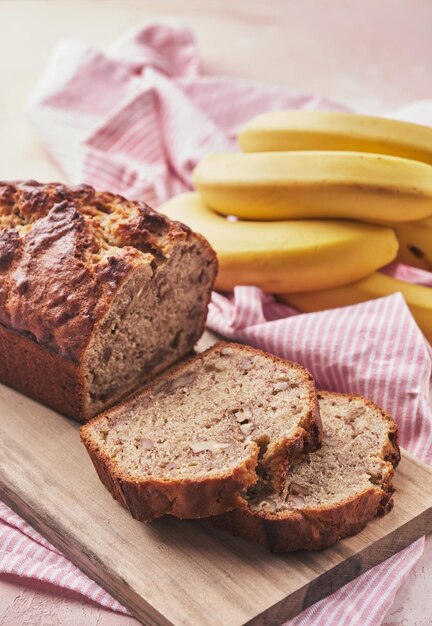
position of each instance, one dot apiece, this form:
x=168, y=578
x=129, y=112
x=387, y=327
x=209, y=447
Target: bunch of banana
x=277, y=215
x=288, y=131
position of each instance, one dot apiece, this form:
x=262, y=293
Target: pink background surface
x=373, y=55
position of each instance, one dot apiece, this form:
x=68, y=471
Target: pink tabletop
x=372, y=55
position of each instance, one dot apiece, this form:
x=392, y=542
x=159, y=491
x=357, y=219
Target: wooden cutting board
x=172, y=571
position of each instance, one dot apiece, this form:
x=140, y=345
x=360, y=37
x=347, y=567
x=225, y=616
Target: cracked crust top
x=63, y=253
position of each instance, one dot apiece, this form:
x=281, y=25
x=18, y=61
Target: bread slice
x=189, y=444
x=332, y=493
x=98, y=294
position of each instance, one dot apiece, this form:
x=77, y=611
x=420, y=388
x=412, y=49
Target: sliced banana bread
x=97, y=294
x=331, y=493
x=189, y=444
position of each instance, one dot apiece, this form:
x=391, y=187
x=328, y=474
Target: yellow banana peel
x=377, y=285
x=315, y=184
x=334, y=130
x=286, y=256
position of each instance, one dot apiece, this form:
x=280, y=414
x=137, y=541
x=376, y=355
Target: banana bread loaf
x=192, y=441
x=332, y=493
x=97, y=294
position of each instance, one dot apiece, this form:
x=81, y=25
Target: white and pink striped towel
x=135, y=120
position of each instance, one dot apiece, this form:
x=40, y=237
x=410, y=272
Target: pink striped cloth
x=135, y=120
x=408, y=274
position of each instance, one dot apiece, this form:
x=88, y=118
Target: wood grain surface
x=172, y=571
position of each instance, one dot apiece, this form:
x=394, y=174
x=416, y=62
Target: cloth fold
x=25, y=553
x=135, y=120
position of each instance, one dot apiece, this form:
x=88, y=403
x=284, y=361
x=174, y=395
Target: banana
x=286, y=256
x=418, y=298
x=332, y=130
x=415, y=243
x=298, y=185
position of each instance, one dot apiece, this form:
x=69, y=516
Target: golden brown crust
x=147, y=500
x=319, y=528
x=308, y=530
x=185, y=498
x=64, y=253
x=41, y=374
